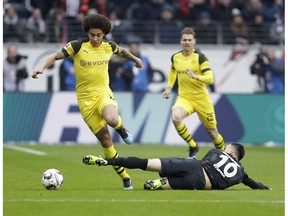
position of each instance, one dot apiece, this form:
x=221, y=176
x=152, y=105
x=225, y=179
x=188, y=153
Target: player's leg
x=180, y=174
x=178, y=114
x=217, y=138
x=109, y=151
x=98, y=126
x=153, y=165
x=206, y=113
x=113, y=119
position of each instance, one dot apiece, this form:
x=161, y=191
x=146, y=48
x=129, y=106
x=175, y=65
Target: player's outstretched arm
x=48, y=62
x=254, y=184
x=126, y=54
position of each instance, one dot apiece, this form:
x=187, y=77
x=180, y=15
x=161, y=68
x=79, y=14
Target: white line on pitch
x=31, y=151
x=143, y=201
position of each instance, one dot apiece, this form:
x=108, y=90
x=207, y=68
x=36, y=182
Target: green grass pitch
x=92, y=190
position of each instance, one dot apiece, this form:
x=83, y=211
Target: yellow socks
x=119, y=125
x=184, y=133
x=219, y=142
x=111, y=153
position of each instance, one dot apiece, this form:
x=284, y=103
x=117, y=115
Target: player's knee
x=176, y=120
x=112, y=121
x=213, y=133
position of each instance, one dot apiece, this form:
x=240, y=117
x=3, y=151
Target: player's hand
x=166, y=93
x=192, y=75
x=138, y=63
x=36, y=73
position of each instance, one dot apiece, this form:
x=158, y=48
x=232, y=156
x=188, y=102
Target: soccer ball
x=52, y=179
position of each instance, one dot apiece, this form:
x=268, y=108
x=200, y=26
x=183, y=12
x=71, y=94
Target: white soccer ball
x=52, y=179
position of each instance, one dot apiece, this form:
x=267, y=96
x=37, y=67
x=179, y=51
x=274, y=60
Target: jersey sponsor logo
x=93, y=63
x=182, y=72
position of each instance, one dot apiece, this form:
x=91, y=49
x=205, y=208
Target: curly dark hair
x=97, y=21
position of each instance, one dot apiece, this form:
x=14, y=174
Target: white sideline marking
x=31, y=151
x=145, y=201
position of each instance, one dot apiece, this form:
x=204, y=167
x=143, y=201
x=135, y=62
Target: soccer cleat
x=125, y=135
x=155, y=184
x=94, y=160
x=192, y=152
x=127, y=183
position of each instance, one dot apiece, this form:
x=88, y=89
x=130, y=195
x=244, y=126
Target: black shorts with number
x=183, y=174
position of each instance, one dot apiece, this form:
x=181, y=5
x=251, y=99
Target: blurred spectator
x=238, y=29
x=275, y=7
x=84, y=6
x=277, y=30
x=11, y=24
x=122, y=6
x=14, y=70
x=57, y=27
x=206, y=30
x=74, y=28
x=103, y=7
x=36, y=27
x=259, y=30
x=197, y=8
x=71, y=8
x=44, y=6
x=151, y=10
x=120, y=80
x=67, y=75
x=141, y=76
x=184, y=7
x=169, y=27
x=147, y=14
x=275, y=72
x=270, y=70
x=21, y=6
x=257, y=68
x=223, y=11
x=252, y=8
x=122, y=31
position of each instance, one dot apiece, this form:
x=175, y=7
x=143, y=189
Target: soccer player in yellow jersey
x=193, y=71
x=95, y=99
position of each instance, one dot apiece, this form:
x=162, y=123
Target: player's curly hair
x=97, y=21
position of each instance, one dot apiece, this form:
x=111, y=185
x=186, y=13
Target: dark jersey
x=225, y=171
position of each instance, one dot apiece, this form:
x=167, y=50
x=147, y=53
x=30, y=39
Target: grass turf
x=92, y=190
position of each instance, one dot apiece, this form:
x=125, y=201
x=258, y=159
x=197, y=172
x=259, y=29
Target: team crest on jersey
x=67, y=46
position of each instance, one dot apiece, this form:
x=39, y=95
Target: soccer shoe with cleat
x=155, y=184
x=94, y=160
x=125, y=135
x=127, y=183
x=192, y=152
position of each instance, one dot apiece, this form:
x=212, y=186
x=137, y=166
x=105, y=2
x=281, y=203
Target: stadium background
x=43, y=114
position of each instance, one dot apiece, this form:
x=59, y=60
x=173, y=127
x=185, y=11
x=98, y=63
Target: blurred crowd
x=147, y=21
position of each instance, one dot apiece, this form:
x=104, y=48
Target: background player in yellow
x=193, y=71
x=95, y=99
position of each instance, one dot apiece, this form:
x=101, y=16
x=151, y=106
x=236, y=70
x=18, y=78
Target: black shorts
x=183, y=173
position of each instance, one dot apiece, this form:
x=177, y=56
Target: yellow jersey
x=187, y=87
x=91, y=66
